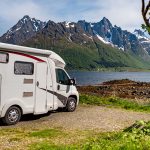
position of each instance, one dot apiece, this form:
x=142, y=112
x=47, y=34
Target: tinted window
x=4, y=57
x=61, y=77
x=23, y=68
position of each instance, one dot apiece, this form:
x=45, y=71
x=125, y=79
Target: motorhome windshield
x=62, y=77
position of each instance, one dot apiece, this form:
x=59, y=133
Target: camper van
x=33, y=81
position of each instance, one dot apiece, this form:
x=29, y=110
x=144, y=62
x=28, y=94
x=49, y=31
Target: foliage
x=145, y=28
x=133, y=139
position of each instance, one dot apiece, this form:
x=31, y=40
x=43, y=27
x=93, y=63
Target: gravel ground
x=85, y=117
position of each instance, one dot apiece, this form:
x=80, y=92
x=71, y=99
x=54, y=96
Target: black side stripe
x=62, y=98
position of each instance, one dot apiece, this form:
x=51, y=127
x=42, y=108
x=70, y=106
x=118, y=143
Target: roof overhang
x=34, y=51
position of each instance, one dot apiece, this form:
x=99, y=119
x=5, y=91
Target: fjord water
x=92, y=78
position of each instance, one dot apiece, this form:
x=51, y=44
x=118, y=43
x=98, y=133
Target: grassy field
x=113, y=102
x=135, y=137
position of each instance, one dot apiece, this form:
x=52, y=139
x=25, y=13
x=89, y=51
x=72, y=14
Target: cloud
x=13, y=10
x=124, y=13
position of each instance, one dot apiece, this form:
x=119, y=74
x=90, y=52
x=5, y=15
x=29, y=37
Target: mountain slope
x=144, y=40
x=23, y=30
x=80, y=50
x=83, y=45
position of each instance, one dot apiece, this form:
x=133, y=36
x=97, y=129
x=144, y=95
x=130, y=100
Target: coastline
x=139, y=91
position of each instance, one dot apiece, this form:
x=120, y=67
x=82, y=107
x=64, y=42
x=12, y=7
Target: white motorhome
x=33, y=81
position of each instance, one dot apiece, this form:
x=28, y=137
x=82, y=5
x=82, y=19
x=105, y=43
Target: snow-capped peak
x=26, y=27
x=69, y=24
x=140, y=34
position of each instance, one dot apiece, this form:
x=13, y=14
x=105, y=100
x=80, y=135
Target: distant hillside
x=83, y=45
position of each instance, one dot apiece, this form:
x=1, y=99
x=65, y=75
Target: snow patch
x=18, y=29
x=140, y=37
x=72, y=25
x=70, y=37
x=24, y=20
x=67, y=24
x=36, y=27
x=100, y=38
x=90, y=37
x=121, y=48
x=148, y=41
x=92, y=25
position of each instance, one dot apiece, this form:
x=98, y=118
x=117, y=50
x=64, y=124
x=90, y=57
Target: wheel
x=12, y=116
x=71, y=104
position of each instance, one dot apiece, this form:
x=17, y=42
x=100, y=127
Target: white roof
x=12, y=47
x=55, y=57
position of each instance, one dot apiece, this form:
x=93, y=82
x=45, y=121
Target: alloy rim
x=72, y=104
x=13, y=115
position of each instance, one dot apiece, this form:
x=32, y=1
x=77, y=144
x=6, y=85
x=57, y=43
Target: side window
x=4, y=57
x=61, y=77
x=23, y=68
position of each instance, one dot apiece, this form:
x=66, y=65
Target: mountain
x=144, y=40
x=114, y=36
x=23, y=30
x=83, y=45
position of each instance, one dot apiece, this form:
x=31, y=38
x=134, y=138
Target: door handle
x=58, y=87
x=37, y=83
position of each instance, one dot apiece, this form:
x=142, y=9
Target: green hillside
x=89, y=56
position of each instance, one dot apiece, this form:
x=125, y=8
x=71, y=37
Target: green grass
x=135, y=137
x=46, y=133
x=113, y=102
x=48, y=146
x=132, y=138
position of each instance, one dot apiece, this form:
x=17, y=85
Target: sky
x=123, y=13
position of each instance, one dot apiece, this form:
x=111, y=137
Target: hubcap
x=72, y=104
x=13, y=115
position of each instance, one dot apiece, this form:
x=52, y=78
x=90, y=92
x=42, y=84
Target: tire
x=12, y=116
x=71, y=104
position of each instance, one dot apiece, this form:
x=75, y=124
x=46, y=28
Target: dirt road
x=85, y=117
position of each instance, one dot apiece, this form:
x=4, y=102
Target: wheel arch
x=74, y=96
x=18, y=107
x=16, y=103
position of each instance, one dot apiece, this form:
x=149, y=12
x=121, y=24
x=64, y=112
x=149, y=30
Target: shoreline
x=111, y=70
x=120, y=88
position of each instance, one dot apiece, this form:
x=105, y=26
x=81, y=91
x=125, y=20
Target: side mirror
x=72, y=81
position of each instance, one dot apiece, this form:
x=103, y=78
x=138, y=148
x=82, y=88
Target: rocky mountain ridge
x=23, y=30
x=103, y=44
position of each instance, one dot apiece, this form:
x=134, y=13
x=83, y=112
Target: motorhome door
x=41, y=88
x=62, y=85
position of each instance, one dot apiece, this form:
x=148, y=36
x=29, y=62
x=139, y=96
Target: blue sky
x=123, y=13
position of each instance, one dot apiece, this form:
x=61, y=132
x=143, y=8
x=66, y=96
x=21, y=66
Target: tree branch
x=145, y=12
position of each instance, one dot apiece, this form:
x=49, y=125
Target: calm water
x=91, y=78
